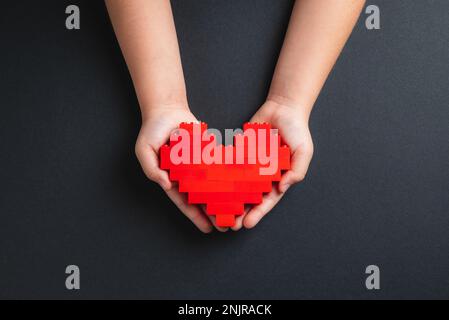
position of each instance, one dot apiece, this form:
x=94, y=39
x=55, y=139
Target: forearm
x=147, y=36
x=317, y=32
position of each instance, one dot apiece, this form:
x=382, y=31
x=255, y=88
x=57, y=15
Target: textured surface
x=72, y=191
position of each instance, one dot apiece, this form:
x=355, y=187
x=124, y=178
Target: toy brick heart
x=227, y=186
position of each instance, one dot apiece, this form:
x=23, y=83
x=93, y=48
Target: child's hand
x=293, y=126
x=157, y=124
x=146, y=32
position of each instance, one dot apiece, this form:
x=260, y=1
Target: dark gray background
x=72, y=192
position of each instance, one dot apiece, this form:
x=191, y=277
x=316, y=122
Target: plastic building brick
x=225, y=187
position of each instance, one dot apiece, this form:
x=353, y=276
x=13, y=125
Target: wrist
x=279, y=104
x=161, y=108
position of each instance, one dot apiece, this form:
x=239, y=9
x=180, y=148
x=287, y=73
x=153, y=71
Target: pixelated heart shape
x=238, y=176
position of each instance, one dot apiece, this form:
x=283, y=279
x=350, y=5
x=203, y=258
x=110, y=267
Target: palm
x=293, y=127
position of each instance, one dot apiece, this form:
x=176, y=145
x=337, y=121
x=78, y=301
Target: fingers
x=258, y=212
x=149, y=161
x=213, y=220
x=300, y=164
x=192, y=212
x=239, y=219
x=238, y=223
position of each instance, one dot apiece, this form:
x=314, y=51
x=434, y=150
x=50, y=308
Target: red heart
x=224, y=187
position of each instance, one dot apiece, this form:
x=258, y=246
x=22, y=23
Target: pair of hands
x=317, y=32
x=160, y=121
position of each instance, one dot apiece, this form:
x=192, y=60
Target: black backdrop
x=72, y=192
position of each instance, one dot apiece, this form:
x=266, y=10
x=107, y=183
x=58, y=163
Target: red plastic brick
x=225, y=188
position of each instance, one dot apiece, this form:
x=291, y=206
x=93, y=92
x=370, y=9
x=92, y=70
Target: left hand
x=292, y=123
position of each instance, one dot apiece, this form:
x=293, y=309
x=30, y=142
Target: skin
x=316, y=34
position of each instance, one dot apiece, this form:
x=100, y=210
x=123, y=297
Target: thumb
x=300, y=164
x=149, y=160
x=256, y=118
